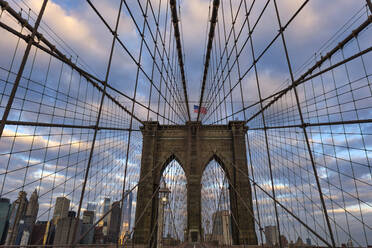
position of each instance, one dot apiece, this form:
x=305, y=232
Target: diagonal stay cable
x=5, y=6
x=56, y=53
x=303, y=78
x=274, y=199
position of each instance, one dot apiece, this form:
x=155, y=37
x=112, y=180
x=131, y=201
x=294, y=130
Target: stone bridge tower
x=194, y=145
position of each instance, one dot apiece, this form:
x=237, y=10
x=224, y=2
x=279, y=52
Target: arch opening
x=174, y=206
x=215, y=204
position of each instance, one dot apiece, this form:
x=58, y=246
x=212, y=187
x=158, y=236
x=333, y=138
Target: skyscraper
x=4, y=218
x=49, y=233
x=308, y=241
x=106, y=207
x=65, y=228
x=91, y=206
x=88, y=219
x=221, y=228
x=38, y=233
x=127, y=213
x=17, y=213
x=271, y=235
x=29, y=218
x=60, y=209
x=113, y=224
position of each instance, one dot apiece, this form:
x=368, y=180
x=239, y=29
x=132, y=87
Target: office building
x=271, y=235
x=49, y=233
x=60, y=209
x=349, y=243
x=29, y=219
x=91, y=206
x=126, y=214
x=17, y=212
x=113, y=225
x=88, y=217
x=221, y=228
x=105, y=209
x=88, y=220
x=299, y=242
x=38, y=232
x=88, y=238
x=127, y=210
x=65, y=228
x=284, y=240
x=4, y=218
x=98, y=237
x=308, y=241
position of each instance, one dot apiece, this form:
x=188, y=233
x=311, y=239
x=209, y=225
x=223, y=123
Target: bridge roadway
x=183, y=245
x=210, y=245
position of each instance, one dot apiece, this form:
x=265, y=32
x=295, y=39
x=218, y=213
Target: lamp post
x=163, y=200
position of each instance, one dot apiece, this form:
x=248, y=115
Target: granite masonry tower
x=193, y=146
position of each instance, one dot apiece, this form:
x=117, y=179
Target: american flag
x=203, y=110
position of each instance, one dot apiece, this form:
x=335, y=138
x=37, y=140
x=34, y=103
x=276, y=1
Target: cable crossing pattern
x=79, y=81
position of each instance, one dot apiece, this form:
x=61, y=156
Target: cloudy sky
x=54, y=159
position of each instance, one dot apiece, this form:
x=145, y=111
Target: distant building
x=60, y=209
x=308, y=241
x=4, y=218
x=349, y=243
x=127, y=213
x=38, y=232
x=221, y=228
x=271, y=235
x=98, y=237
x=29, y=219
x=17, y=212
x=87, y=239
x=49, y=233
x=92, y=207
x=299, y=242
x=113, y=224
x=284, y=240
x=65, y=229
x=106, y=208
x=71, y=214
x=21, y=229
x=88, y=219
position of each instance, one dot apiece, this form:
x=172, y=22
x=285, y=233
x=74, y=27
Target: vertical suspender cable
x=216, y=4
x=179, y=51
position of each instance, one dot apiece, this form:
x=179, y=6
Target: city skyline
x=18, y=218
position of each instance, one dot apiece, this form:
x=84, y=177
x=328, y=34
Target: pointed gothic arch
x=174, y=178
x=171, y=157
x=219, y=160
x=215, y=202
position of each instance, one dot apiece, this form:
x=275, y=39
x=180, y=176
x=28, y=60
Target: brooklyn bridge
x=189, y=123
